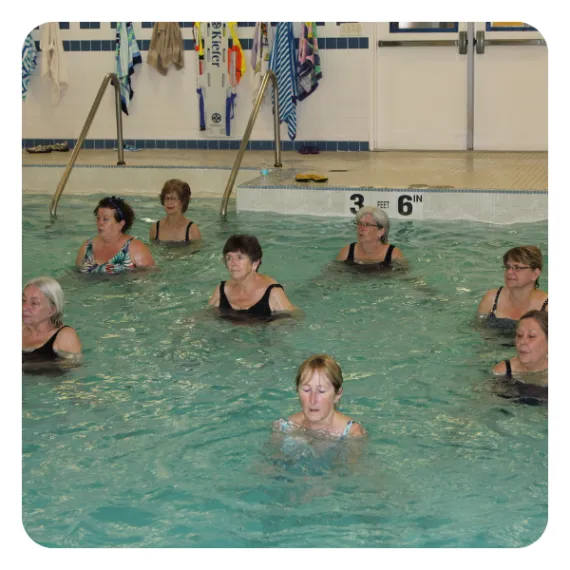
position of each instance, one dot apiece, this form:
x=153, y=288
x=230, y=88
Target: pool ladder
x=109, y=78
x=269, y=75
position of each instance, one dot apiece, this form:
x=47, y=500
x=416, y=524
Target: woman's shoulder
x=67, y=340
x=500, y=369
x=265, y=280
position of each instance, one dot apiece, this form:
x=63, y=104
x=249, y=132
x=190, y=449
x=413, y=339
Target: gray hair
x=54, y=294
x=380, y=217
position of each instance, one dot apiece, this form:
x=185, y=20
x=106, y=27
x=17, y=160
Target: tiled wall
x=164, y=110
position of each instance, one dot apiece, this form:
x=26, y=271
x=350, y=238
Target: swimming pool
x=163, y=437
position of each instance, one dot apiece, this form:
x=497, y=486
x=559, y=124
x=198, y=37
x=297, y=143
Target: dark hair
x=122, y=210
x=541, y=317
x=529, y=254
x=178, y=187
x=249, y=245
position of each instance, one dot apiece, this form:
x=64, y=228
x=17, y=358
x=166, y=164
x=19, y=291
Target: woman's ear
x=338, y=395
x=256, y=265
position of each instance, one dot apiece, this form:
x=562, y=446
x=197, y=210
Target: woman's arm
x=195, y=232
x=343, y=254
x=81, y=254
x=67, y=341
x=278, y=301
x=140, y=254
x=152, y=232
x=486, y=303
x=215, y=298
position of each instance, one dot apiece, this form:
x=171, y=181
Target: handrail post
x=108, y=77
x=270, y=74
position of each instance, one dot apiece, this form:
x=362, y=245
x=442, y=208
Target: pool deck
x=391, y=169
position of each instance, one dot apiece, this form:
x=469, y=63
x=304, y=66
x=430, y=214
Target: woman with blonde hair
x=44, y=336
x=319, y=387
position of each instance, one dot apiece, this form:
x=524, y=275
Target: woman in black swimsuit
x=248, y=293
x=44, y=336
x=175, y=197
x=529, y=369
x=372, y=248
x=522, y=267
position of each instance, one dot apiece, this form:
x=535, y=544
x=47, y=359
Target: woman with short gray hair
x=44, y=336
x=372, y=247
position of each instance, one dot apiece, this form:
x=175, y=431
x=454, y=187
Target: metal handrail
x=109, y=77
x=231, y=181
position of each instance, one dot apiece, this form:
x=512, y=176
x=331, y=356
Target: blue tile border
x=209, y=144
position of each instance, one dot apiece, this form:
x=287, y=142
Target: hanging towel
x=260, y=54
x=166, y=47
x=309, y=61
x=283, y=63
x=29, y=63
x=127, y=55
x=52, y=60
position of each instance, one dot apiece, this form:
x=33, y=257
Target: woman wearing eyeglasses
x=522, y=267
x=372, y=247
x=176, y=227
x=112, y=250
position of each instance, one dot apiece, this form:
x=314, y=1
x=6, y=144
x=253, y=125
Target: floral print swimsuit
x=120, y=262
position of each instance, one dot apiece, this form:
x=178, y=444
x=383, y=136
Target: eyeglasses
x=516, y=268
x=362, y=224
x=171, y=198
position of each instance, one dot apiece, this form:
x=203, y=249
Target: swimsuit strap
x=492, y=314
x=544, y=305
x=188, y=231
x=351, y=252
x=388, y=257
x=509, y=372
x=157, y=229
x=347, y=429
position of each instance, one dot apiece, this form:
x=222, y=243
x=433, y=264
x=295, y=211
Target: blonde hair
x=54, y=294
x=321, y=362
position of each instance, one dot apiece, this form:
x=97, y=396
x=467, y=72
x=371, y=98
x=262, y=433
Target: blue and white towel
x=284, y=63
x=127, y=55
x=29, y=62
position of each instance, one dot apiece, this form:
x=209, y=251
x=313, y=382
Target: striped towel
x=29, y=63
x=127, y=55
x=284, y=63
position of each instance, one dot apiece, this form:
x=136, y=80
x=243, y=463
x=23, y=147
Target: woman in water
x=505, y=305
x=319, y=387
x=175, y=197
x=372, y=247
x=112, y=250
x=44, y=336
x=248, y=293
x=526, y=375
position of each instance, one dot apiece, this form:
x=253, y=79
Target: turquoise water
x=163, y=437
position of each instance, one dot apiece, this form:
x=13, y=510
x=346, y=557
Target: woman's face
x=531, y=342
x=318, y=397
x=240, y=265
x=172, y=203
x=36, y=307
x=367, y=229
x=519, y=274
x=107, y=225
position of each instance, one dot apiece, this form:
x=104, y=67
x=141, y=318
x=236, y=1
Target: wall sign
x=404, y=205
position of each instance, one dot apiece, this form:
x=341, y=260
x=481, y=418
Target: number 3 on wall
x=358, y=200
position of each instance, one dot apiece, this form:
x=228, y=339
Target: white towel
x=52, y=60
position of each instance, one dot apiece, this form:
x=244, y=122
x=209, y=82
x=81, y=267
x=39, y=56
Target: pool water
x=162, y=438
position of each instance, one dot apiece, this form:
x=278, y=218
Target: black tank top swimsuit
x=261, y=309
x=187, y=239
x=387, y=262
x=503, y=322
x=44, y=353
x=522, y=393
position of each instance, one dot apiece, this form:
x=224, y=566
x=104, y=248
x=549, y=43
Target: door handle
x=461, y=43
x=480, y=42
